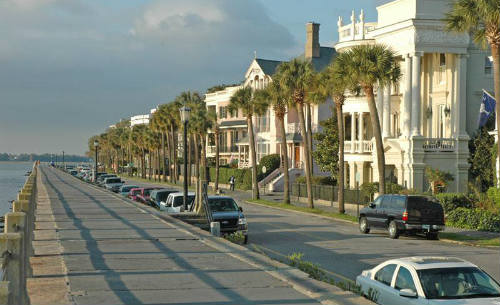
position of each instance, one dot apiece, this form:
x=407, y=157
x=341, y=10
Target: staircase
x=278, y=183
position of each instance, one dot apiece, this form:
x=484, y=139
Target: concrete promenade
x=92, y=247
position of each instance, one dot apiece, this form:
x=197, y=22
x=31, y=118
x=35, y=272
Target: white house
x=428, y=116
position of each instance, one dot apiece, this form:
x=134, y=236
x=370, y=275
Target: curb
x=322, y=292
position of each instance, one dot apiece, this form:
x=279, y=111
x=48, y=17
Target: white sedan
x=175, y=202
x=429, y=280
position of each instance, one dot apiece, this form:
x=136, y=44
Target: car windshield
x=179, y=200
x=136, y=192
x=457, y=283
x=162, y=196
x=128, y=188
x=147, y=192
x=222, y=205
x=114, y=180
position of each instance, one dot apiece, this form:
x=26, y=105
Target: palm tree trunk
x=253, y=159
x=284, y=154
x=340, y=180
x=143, y=162
x=216, y=187
x=196, y=158
x=150, y=164
x=176, y=153
x=378, y=138
x=163, y=169
x=190, y=161
x=204, y=157
x=300, y=111
x=173, y=163
x=495, y=53
x=309, y=135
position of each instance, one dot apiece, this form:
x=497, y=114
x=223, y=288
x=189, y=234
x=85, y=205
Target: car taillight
x=405, y=216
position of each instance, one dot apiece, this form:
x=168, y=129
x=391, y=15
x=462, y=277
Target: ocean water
x=12, y=178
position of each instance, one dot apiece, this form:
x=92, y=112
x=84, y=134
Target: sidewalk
x=93, y=247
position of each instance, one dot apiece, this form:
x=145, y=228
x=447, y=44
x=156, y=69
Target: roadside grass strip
x=472, y=240
x=305, y=210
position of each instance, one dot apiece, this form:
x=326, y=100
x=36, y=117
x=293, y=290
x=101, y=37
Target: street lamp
x=64, y=164
x=96, y=146
x=185, y=111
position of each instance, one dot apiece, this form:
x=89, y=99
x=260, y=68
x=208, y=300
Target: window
x=385, y=274
x=442, y=60
x=378, y=201
x=263, y=122
x=386, y=202
x=488, y=65
x=222, y=112
x=404, y=280
x=262, y=150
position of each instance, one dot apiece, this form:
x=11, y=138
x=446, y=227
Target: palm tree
x=212, y=116
x=296, y=77
x=279, y=102
x=481, y=19
x=335, y=81
x=369, y=65
x=244, y=99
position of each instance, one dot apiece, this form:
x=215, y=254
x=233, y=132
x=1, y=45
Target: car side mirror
x=372, y=205
x=408, y=293
x=240, y=209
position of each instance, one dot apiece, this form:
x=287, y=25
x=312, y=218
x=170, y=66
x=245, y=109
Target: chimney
x=312, y=41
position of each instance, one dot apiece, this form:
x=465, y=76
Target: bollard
x=10, y=247
x=215, y=228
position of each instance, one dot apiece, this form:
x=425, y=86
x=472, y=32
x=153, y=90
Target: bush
x=271, y=162
x=494, y=195
x=452, y=201
x=242, y=177
x=317, y=180
x=476, y=219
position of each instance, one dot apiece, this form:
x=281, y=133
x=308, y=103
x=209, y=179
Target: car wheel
x=245, y=241
x=393, y=230
x=363, y=225
x=432, y=235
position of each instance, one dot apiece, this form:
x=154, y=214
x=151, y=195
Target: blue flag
x=486, y=109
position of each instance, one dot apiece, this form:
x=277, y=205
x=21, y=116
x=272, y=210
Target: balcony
x=439, y=145
x=295, y=128
x=222, y=149
x=365, y=146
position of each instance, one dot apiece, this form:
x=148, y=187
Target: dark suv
x=403, y=214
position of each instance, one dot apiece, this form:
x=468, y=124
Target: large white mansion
x=426, y=118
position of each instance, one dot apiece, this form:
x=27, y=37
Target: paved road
x=116, y=253
x=339, y=247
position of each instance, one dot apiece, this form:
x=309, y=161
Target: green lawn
x=479, y=241
x=305, y=210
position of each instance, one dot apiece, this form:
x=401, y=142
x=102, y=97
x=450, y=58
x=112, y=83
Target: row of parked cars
x=224, y=209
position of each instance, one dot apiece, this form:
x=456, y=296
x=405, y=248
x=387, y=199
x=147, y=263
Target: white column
x=380, y=104
x=360, y=131
x=406, y=111
x=415, y=95
x=461, y=117
x=386, y=126
x=353, y=130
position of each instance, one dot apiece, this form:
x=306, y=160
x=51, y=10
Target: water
x=11, y=181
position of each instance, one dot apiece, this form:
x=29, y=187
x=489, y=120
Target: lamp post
x=64, y=164
x=185, y=111
x=96, y=146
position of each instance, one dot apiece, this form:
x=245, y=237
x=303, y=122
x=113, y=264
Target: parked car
x=125, y=189
x=134, y=192
x=97, y=175
x=175, y=202
x=225, y=210
x=113, y=184
x=429, y=280
x=143, y=196
x=403, y=214
x=159, y=196
x=102, y=178
x=73, y=172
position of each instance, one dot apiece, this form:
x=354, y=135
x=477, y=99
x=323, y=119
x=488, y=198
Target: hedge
x=476, y=219
x=317, y=180
x=452, y=201
x=494, y=195
x=242, y=177
x=271, y=162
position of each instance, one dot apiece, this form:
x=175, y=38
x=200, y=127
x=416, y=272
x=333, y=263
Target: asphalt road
x=339, y=248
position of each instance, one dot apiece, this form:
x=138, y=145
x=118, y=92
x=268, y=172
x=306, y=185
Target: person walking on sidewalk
x=231, y=183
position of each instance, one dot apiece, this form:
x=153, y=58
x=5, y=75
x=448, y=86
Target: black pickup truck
x=403, y=214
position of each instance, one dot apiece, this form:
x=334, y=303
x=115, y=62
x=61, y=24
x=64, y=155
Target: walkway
x=93, y=247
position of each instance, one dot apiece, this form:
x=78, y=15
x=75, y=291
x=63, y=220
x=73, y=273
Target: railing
x=295, y=128
x=368, y=146
x=270, y=177
x=439, y=145
x=222, y=149
x=243, y=164
x=328, y=193
x=15, y=244
x=365, y=146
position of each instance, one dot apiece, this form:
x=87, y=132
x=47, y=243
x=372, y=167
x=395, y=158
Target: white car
x=175, y=202
x=113, y=183
x=429, y=280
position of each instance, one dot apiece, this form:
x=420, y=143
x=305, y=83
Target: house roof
x=326, y=56
x=268, y=66
x=292, y=138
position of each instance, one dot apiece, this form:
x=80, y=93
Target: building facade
x=427, y=117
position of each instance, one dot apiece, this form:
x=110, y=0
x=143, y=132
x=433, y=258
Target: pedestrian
x=231, y=183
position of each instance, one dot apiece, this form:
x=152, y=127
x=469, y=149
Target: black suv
x=403, y=214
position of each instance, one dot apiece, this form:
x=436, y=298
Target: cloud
x=72, y=67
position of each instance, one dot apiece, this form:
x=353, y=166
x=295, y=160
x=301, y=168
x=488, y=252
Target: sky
x=71, y=68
